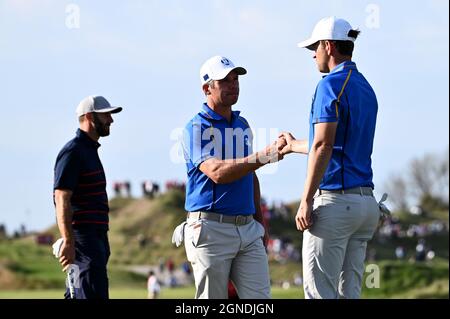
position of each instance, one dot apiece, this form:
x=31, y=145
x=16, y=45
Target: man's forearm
x=64, y=218
x=318, y=160
x=230, y=170
x=300, y=146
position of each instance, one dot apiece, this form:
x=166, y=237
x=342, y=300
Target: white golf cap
x=330, y=28
x=97, y=104
x=217, y=68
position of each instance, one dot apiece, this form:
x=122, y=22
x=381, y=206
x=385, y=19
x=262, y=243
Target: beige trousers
x=334, y=248
x=219, y=252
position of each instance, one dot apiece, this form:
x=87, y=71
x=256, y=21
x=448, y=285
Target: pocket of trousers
x=198, y=229
x=318, y=202
x=262, y=230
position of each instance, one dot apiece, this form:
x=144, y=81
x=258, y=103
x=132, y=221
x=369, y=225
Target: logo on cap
x=205, y=77
x=225, y=61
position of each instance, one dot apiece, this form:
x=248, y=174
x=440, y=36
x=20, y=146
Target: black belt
x=363, y=191
x=229, y=219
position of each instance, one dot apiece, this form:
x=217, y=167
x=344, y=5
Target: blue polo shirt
x=78, y=168
x=210, y=135
x=345, y=96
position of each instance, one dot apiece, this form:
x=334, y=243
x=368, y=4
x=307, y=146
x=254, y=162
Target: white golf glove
x=73, y=272
x=178, y=234
x=57, y=247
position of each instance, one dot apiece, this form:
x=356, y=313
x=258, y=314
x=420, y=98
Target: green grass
x=130, y=293
x=151, y=220
x=439, y=289
x=28, y=270
x=399, y=280
x=36, y=271
x=33, y=266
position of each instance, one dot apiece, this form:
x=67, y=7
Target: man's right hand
x=271, y=153
x=67, y=255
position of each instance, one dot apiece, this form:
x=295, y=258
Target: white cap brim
x=114, y=109
x=307, y=43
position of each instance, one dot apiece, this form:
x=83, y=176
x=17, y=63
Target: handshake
x=274, y=152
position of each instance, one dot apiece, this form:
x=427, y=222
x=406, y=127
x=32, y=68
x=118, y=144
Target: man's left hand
x=303, y=219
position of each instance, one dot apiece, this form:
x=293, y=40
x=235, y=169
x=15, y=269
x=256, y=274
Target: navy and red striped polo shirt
x=78, y=168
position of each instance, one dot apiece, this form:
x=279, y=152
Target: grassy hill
x=141, y=231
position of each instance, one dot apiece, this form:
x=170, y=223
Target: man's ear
x=89, y=116
x=330, y=47
x=206, y=89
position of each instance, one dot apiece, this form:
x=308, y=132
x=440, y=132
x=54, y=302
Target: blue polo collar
x=210, y=114
x=347, y=65
x=86, y=139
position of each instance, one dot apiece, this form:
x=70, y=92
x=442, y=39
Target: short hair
x=346, y=47
x=210, y=84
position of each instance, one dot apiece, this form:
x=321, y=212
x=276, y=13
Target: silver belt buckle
x=240, y=220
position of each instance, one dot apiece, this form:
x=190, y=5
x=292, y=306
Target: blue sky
x=146, y=55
